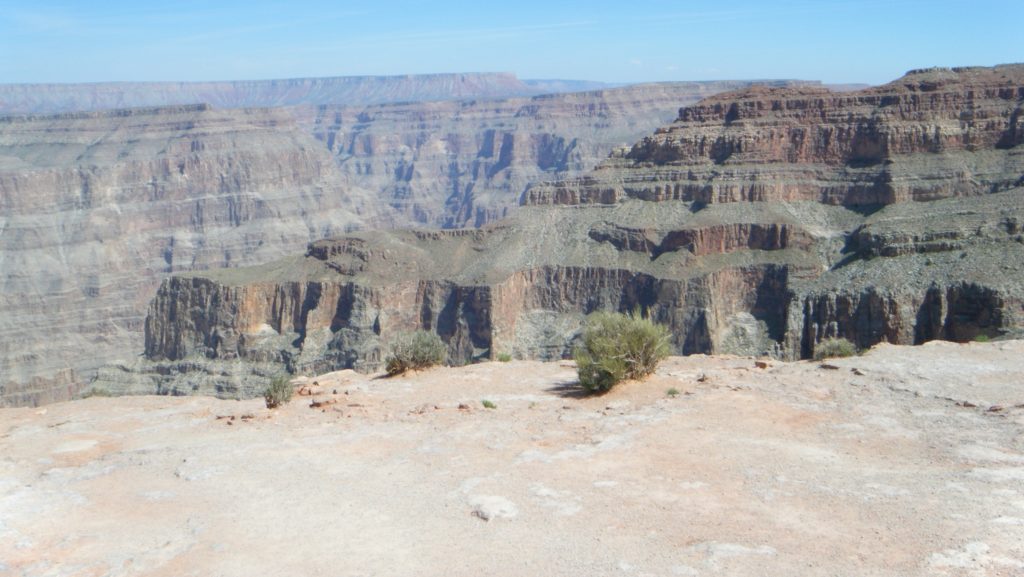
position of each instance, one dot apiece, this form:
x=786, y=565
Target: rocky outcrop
x=351, y=299
x=916, y=272
x=343, y=90
x=712, y=239
x=97, y=208
x=455, y=164
x=819, y=249
x=932, y=134
x=759, y=283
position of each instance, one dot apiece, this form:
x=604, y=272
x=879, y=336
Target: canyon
x=97, y=208
x=759, y=223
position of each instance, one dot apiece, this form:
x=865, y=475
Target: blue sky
x=623, y=41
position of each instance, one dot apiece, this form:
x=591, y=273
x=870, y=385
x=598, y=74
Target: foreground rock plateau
x=759, y=222
x=905, y=461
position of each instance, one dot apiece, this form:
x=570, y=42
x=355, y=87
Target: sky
x=869, y=41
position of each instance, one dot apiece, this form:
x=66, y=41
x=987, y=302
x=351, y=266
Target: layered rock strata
x=802, y=232
x=932, y=134
x=772, y=279
x=96, y=208
x=455, y=164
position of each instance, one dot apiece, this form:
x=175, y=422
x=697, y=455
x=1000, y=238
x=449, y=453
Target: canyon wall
x=456, y=164
x=931, y=134
x=96, y=208
x=524, y=287
x=891, y=214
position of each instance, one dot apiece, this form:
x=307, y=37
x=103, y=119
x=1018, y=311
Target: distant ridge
x=60, y=98
x=341, y=90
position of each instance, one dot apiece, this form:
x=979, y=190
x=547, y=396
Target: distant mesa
x=341, y=90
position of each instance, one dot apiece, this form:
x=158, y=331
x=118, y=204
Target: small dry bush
x=618, y=347
x=278, y=392
x=418, y=350
x=834, y=347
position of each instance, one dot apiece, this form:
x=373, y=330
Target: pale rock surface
x=792, y=469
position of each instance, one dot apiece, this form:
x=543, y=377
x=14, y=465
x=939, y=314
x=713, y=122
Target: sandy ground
x=906, y=461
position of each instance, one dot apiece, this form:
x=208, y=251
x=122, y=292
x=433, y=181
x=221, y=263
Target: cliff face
x=455, y=164
x=826, y=243
x=98, y=207
x=520, y=287
x=772, y=279
x=931, y=134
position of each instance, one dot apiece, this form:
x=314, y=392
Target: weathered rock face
x=931, y=134
x=916, y=272
x=96, y=208
x=820, y=253
x=346, y=90
x=455, y=164
x=505, y=288
x=759, y=282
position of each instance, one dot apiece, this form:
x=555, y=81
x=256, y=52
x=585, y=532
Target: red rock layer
x=932, y=134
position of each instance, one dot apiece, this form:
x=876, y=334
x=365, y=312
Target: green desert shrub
x=834, y=347
x=417, y=350
x=96, y=392
x=278, y=392
x=504, y=357
x=617, y=347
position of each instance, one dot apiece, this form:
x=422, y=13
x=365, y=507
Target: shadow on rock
x=570, y=390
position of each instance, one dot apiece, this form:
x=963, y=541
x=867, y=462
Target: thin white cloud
x=211, y=23
x=769, y=10
x=41, y=20
x=442, y=36
x=484, y=32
